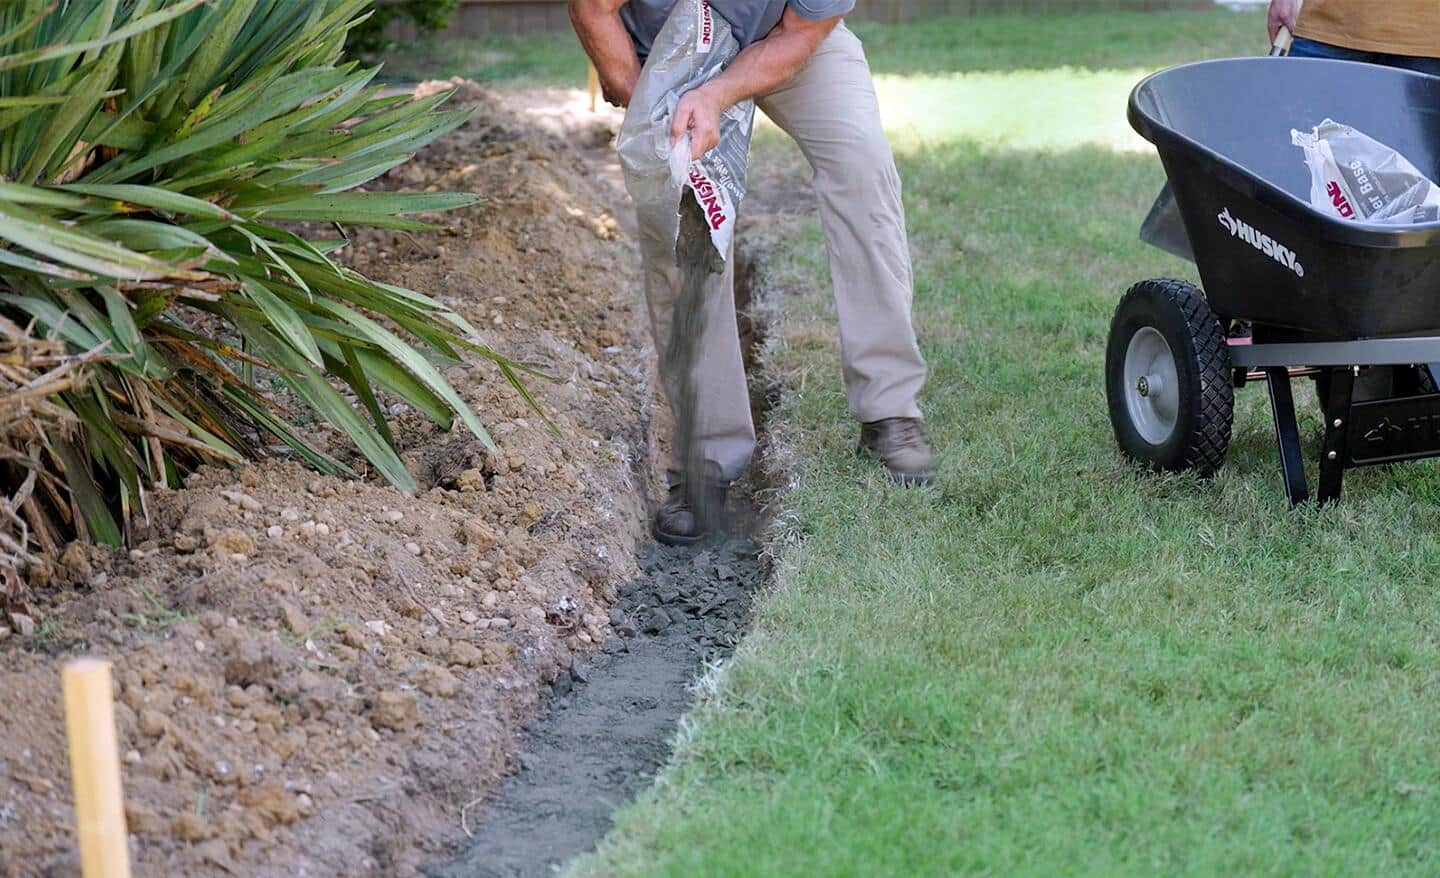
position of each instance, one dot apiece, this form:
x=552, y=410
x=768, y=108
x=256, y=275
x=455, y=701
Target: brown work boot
x=679, y=523
x=900, y=445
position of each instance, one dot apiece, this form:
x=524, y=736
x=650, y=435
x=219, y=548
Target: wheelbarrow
x=1289, y=292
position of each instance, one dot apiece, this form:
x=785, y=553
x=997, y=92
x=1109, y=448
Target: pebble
x=469, y=617
x=5, y=632
x=290, y=514
x=579, y=672
x=37, y=785
x=294, y=619
x=395, y=710
x=378, y=626
x=656, y=620
x=274, y=531
x=233, y=541
x=192, y=827
x=439, y=682
x=243, y=500
x=392, y=515
x=23, y=624
x=153, y=723
x=322, y=529
x=412, y=548
x=467, y=654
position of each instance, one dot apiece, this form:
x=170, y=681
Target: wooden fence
x=480, y=17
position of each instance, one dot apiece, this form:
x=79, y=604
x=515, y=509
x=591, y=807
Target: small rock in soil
x=438, y=682
x=396, y=710
x=153, y=723
x=233, y=541
x=192, y=827
x=579, y=672
x=656, y=620
x=467, y=654
x=294, y=619
x=23, y=624
x=143, y=820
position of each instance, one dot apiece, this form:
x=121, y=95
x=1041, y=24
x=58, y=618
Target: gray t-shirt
x=751, y=19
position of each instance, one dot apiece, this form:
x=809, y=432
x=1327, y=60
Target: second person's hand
x=1282, y=12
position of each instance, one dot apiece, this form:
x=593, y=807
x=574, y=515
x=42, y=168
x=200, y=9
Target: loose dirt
x=315, y=675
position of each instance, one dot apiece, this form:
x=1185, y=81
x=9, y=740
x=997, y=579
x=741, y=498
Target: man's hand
x=763, y=66
x=617, y=94
x=699, y=113
x=1283, y=12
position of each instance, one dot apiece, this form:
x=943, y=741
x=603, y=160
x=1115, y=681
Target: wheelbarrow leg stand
x=1337, y=428
x=1287, y=434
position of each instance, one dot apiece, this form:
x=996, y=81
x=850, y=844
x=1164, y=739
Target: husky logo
x=1261, y=241
x=705, y=36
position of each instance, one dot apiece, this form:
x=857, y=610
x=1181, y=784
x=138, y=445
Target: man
x=809, y=74
x=1395, y=33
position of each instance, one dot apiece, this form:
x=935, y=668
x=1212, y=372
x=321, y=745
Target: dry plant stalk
x=32, y=371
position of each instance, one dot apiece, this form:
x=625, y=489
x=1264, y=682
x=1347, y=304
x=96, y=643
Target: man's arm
x=762, y=67
x=607, y=42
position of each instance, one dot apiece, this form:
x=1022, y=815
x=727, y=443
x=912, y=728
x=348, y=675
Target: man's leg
x=725, y=433
x=830, y=108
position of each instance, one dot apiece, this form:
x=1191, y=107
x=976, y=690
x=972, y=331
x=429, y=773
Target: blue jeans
x=1303, y=48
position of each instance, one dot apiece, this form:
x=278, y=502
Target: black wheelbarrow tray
x=1289, y=291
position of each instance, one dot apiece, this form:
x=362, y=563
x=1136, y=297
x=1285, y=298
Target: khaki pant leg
x=831, y=111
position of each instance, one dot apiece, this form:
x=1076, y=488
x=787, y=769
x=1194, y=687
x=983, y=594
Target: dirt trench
x=315, y=676
x=609, y=724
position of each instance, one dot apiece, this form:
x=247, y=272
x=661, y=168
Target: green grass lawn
x=1048, y=663
x=959, y=45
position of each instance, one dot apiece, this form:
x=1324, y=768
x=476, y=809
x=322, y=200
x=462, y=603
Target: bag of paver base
x=693, y=47
x=1356, y=177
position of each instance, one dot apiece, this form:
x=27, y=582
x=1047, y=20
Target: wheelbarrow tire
x=1164, y=332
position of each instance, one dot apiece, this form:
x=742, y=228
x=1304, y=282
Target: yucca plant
x=157, y=160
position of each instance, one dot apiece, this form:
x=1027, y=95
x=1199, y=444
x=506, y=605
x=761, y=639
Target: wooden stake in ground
x=594, y=88
x=95, y=769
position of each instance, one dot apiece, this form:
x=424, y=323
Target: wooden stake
x=594, y=88
x=95, y=769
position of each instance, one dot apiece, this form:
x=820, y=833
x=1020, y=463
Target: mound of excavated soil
x=315, y=675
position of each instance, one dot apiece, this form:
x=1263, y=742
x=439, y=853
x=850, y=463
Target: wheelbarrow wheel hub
x=1154, y=401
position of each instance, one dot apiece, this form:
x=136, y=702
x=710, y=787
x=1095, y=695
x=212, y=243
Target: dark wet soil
x=609, y=724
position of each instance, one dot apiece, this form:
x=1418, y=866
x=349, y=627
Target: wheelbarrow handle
x=1283, y=39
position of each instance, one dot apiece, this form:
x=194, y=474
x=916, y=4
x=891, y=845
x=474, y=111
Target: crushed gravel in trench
x=610, y=723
